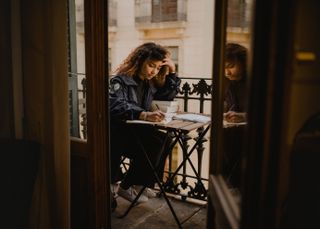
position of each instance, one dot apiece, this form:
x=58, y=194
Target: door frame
x=90, y=158
x=95, y=13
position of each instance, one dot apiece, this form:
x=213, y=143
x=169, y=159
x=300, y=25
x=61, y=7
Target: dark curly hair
x=132, y=65
x=237, y=54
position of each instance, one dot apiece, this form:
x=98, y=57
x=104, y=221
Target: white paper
x=167, y=119
x=227, y=124
x=192, y=117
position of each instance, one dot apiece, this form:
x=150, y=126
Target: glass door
x=231, y=81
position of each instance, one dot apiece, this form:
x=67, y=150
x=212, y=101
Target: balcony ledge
x=161, y=25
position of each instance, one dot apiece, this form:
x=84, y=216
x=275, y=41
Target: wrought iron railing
x=77, y=105
x=195, y=95
x=195, y=89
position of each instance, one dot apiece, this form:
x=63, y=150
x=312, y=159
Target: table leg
x=157, y=181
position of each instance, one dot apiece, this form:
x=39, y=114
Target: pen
x=232, y=107
x=162, y=114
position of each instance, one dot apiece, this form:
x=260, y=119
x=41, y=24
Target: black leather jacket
x=123, y=102
x=235, y=95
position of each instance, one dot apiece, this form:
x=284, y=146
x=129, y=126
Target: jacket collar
x=130, y=82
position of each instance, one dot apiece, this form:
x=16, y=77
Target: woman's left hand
x=167, y=61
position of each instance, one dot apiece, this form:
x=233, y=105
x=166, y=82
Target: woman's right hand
x=154, y=116
x=234, y=117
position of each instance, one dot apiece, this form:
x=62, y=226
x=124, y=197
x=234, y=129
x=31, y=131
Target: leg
x=153, y=143
x=157, y=180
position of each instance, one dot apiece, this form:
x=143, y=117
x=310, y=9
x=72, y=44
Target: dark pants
x=232, y=155
x=128, y=140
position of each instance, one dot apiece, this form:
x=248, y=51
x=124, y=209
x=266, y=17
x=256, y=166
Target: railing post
x=83, y=121
x=199, y=191
x=186, y=92
x=184, y=184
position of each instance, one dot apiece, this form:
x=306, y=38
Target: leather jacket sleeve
x=122, y=103
x=170, y=89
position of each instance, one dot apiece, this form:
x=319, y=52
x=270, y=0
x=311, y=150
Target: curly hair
x=237, y=54
x=132, y=65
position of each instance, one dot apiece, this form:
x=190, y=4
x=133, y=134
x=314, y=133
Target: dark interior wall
x=302, y=206
x=304, y=80
x=305, y=93
x=18, y=170
x=6, y=95
x=45, y=100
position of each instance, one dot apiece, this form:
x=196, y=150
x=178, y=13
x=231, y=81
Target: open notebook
x=192, y=117
x=170, y=116
x=166, y=120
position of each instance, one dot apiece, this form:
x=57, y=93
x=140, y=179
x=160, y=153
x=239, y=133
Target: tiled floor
x=156, y=214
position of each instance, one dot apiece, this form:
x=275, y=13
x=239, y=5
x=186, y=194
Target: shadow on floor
x=156, y=214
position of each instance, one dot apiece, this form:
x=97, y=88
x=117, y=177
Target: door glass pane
x=76, y=65
x=185, y=28
x=235, y=83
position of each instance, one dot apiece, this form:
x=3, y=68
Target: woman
x=146, y=74
x=236, y=76
x=234, y=108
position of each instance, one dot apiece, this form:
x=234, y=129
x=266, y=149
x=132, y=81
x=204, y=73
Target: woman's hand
x=167, y=67
x=154, y=116
x=168, y=62
x=234, y=117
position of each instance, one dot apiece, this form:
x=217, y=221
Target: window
x=164, y=10
x=157, y=11
x=112, y=11
x=174, y=50
x=239, y=13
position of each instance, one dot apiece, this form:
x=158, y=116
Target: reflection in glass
x=235, y=90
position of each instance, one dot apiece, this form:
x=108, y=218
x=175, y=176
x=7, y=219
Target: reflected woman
x=236, y=76
x=234, y=111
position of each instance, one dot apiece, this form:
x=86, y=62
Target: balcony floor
x=156, y=214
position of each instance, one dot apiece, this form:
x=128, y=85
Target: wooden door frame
x=270, y=69
x=94, y=152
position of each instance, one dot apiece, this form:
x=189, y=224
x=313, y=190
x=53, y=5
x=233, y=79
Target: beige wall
x=194, y=38
x=305, y=89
